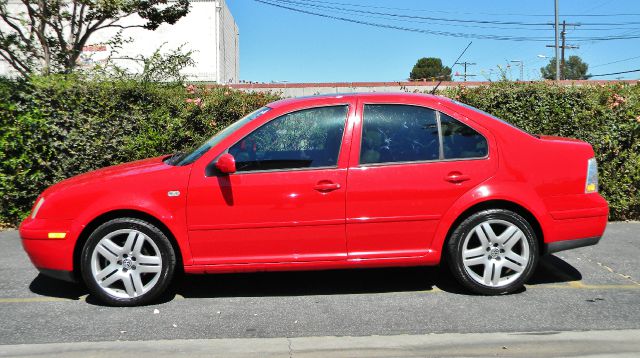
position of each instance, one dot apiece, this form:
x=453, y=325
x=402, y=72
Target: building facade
x=208, y=30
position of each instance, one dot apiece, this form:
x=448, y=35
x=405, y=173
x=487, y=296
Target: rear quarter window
x=460, y=141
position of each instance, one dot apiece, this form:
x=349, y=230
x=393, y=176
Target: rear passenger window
x=405, y=133
x=398, y=133
x=460, y=141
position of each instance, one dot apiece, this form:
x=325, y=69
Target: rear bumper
x=575, y=221
x=570, y=244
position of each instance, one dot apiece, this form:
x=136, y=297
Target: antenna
x=433, y=91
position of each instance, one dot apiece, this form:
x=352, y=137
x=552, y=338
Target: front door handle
x=456, y=177
x=326, y=186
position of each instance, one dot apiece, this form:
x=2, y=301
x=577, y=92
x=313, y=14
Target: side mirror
x=226, y=164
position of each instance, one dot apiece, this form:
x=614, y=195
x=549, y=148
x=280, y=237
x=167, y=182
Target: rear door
x=412, y=163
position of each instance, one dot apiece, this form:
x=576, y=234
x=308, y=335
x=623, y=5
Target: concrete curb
x=622, y=343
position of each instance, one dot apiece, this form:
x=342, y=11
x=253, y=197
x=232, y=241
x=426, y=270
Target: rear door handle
x=456, y=177
x=326, y=186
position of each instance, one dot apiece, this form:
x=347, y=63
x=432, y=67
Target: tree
x=430, y=68
x=573, y=69
x=49, y=35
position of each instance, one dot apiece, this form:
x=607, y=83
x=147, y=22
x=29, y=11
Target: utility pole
x=564, y=47
x=560, y=63
x=521, y=64
x=556, y=30
x=465, y=64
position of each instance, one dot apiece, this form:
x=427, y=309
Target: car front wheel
x=493, y=252
x=127, y=262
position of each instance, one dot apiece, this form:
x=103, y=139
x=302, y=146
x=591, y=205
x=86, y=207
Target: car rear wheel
x=127, y=262
x=493, y=252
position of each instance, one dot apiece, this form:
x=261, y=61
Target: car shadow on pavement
x=47, y=286
x=334, y=282
x=552, y=269
x=304, y=283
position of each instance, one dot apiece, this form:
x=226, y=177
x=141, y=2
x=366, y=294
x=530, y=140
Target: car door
x=412, y=164
x=285, y=202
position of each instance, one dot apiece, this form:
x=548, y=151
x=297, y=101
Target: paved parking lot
x=593, y=288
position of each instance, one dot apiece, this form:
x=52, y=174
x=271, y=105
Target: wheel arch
x=122, y=213
x=498, y=204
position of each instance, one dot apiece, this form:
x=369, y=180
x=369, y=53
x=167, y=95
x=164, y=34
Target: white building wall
x=228, y=46
x=208, y=30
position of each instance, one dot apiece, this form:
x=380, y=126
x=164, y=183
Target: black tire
x=164, y=273
x=463, y=274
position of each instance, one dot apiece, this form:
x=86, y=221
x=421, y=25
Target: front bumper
x=49, y=255
x=62, y=275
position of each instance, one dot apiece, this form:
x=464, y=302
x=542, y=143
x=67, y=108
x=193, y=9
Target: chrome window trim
x=440, y=138
x=283, y=170
x=421, y=162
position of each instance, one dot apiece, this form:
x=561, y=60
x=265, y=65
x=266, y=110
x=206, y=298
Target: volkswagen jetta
x=326, y=182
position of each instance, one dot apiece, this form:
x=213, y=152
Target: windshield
x=189, y=156
x=494, y=117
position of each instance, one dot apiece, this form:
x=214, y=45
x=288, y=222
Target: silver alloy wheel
x=126, y=263
x=495, y=253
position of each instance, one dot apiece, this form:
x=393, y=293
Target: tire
x=127, y=262
x=493, y=252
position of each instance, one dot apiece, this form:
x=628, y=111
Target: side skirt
x=431, y=259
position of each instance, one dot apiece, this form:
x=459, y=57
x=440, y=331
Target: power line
x=618, y=61
x=405, y=16
x=318, y=4
x=432, y=32
x=481, y=26
x=279, y=4
x=504, y=27
x=614, y=73
x=464, y=13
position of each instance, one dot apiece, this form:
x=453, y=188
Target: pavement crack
x=290, y=349
x=626, y=277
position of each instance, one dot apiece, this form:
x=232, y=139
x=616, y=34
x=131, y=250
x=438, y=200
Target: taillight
x=591, y=185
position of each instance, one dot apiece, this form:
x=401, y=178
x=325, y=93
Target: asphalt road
x=593, y=288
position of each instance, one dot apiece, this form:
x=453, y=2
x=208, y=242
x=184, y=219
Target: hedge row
x=52, y=128
x=55, y=127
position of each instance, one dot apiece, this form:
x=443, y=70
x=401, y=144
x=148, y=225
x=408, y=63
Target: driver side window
x=308, y=138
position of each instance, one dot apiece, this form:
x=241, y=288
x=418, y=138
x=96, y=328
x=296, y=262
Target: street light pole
x=521, y=64
x=557, y=38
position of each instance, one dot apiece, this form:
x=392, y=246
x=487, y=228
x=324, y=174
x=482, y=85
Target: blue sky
x=277, y=44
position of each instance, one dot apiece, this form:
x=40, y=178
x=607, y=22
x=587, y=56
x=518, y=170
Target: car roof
x=377, y=96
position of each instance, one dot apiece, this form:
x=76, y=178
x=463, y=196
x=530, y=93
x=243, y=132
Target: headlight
x=36, y=208
x=592, y=177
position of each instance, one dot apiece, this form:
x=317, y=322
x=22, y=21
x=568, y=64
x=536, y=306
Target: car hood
x=112, y=172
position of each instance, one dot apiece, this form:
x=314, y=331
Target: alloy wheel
x=495, y=253
x=126, y=263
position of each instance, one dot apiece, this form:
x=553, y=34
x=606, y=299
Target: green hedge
x=52, y=128
x=55, y=127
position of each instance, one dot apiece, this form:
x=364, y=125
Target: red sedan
x=326, y=182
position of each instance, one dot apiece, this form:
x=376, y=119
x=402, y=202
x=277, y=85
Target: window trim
x=440, y=139
x=344, y=131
